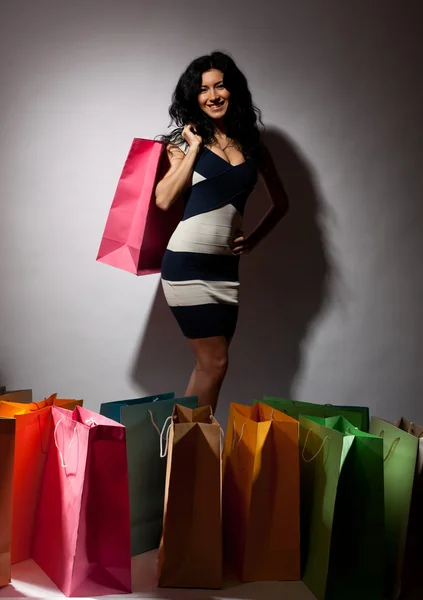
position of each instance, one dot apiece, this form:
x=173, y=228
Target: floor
x=28, y=581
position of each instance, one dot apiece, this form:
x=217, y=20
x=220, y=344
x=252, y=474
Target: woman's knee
x=221, y=363
x=214, y=365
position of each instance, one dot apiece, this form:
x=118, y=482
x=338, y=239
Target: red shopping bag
x=82, y=532
x=33, y=432
x=137, y=232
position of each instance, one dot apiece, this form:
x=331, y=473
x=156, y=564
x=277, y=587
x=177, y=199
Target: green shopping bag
x=400, y=450
x=342, y=510
x=144, y=419
x=356, y=415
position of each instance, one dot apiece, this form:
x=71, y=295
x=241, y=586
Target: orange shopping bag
x=261, y=494
x=7, y=443
x=11, y=409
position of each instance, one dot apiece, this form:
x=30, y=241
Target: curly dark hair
x=242, y=117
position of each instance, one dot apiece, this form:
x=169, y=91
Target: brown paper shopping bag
x=190, y=553
x=7, y=452
x=21, y=396
x=261, y=494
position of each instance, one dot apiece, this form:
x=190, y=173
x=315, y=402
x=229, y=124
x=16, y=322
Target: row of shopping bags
x=318, y=492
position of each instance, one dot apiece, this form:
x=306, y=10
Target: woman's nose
x=212, y=94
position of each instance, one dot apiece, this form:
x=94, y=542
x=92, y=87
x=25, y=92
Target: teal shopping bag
x=144, y=419
x=342, y=510
x=356, y=415
x=112, y=410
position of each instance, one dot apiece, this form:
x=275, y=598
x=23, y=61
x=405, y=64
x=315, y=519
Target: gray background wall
x=332, y=300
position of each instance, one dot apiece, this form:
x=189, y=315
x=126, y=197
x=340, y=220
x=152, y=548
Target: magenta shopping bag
x=82, y=531
x=137, y=232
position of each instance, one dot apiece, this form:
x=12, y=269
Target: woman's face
x=213, y=97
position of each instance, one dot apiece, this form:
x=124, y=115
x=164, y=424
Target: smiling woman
x=215, y=155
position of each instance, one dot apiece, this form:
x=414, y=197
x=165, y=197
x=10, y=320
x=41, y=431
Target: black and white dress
x=199, y=271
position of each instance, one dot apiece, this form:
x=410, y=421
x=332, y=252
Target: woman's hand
x=240, y=245
x=191, y=136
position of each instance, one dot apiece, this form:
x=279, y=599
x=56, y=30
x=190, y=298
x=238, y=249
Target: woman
x=215, y=155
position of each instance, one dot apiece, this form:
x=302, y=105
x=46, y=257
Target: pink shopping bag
x=82, y=532
x=137, y=232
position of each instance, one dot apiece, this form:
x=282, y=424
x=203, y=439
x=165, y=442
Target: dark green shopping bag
x=356, y=415
x=411, y=587
x=342, y=510
x=400, y=450
x=144, y=419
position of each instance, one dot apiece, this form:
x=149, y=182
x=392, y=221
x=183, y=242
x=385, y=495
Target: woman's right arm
x=175, y=181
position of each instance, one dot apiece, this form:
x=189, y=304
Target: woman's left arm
x=279, y=199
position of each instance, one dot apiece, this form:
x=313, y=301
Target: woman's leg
x=211, y=365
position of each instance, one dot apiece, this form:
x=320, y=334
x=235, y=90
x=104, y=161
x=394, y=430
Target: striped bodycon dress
x=199, y=271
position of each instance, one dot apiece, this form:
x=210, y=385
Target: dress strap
x=182, y=146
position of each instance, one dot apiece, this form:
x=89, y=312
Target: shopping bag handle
x=308, y=460
x=64, y=465
x=235, y=443
x=163, y=452
x=394, y=444
x=38, y=405
x=411, y=430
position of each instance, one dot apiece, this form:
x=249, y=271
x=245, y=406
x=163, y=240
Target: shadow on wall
x=284, y=284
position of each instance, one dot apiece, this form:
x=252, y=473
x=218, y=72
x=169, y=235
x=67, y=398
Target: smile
x=216, y=106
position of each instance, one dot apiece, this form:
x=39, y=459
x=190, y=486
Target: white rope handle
x=163, y=453
x=161, y=433
x=222, y=433
x=91, y=422
x=234, y=436
x=64, y=465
